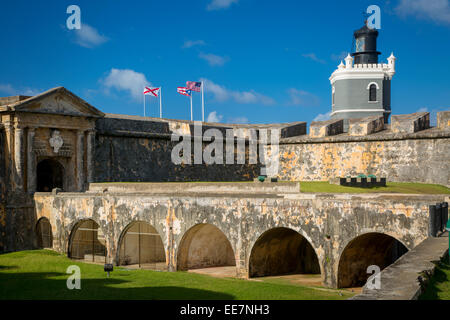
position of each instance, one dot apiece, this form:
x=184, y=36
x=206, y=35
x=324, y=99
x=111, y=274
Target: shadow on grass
x=39, y=286
x=440, y=276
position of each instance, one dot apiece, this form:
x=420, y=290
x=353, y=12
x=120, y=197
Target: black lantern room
x=366, y=45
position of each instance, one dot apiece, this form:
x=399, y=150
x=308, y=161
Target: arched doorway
x=282, y=251
x=49, y=175
x=204, y=246
x=44, y=233
x=141, y=245
x=87, y=242
x=365, y=250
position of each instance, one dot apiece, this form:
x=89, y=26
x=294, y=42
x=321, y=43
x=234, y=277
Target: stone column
x=31, y=162
x=9, y=140
x=80, y=162
x=18, y=157
x=90, y=149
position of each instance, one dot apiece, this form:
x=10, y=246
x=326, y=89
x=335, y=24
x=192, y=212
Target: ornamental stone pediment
x=56, y=101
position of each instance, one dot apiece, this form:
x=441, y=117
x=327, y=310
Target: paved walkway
x=403, y=279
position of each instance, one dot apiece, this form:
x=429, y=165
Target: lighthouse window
x=373, y=93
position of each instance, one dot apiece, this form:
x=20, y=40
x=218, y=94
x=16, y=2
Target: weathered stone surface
x=443, y=120
x=365, y=126
x=420, y=157
x=410, y=123
x=201, y=187
x=327, y=128
x=327, y=222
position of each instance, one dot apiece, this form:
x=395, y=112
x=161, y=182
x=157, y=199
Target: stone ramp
x=405, y=278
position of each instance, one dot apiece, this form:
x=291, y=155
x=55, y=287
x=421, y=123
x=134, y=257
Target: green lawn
x=439, y=286
x=391, y=187
x=41, y=274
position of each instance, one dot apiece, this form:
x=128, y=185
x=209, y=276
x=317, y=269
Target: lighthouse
x=362, y=87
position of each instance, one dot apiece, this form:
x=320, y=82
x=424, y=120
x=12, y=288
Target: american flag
x=151, y=91
x=194, y=86
x=184, y=91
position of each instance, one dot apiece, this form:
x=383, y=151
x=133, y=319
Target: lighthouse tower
x=362, y=87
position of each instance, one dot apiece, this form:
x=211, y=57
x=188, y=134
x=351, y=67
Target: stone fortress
x=95, y=186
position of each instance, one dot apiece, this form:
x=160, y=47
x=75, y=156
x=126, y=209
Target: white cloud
x=424, y=109
x=435, y=10
x=222, y=94
x=313, y=57
x=238, y=120
x=213, y=60
x=214, y=117
x=89, y=37
x=302, y=98
x=220, y=4
x=126, y=80
x=339, y=57
x=323, y=116
x=8, y=89
x=193, y=43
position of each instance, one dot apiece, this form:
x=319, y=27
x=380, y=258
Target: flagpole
x=192, y=118
x=203, y=104
x=160, y=102
x=144, y=104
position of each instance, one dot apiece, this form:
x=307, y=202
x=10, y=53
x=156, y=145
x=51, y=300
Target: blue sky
x=262, y=61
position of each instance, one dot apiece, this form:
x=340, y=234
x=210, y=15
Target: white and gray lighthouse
x=362, y=87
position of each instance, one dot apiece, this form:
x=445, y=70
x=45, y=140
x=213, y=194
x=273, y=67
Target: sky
x=261, y=61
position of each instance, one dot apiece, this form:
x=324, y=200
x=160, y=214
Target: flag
x=151, y=91
x=184, y=91
x=194, y=86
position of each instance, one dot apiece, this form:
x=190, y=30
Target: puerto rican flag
x=184, y=91
x=194, y=86
x=151, y=91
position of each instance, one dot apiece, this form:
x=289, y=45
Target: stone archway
x=87, y=242
x=204, y=246
x=50, y=175
x=282, y=251
x=44, y=233
x=373, y=248
x=140, y=244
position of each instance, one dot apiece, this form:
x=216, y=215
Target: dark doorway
x=44, y=233
x=49, y=175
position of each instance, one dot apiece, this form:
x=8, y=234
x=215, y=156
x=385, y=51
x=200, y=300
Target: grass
x=439, y=285
x=41, y=274
x=391, y=187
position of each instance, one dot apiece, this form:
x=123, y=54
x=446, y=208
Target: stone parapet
x=443, y=120
x=410, y=123
x=365, y=126
x=319, y=129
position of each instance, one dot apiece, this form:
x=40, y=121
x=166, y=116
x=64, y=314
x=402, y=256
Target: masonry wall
x=417, y=158
x=138, y=151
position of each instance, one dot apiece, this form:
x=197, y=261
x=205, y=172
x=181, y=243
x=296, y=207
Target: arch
x=373, y=87
x=87, y=242
x=202, y=246
x=368, y=249
x=50, y=175
x=373, y=84
x=282, y=251
x=141, y=244
x=44, y=233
